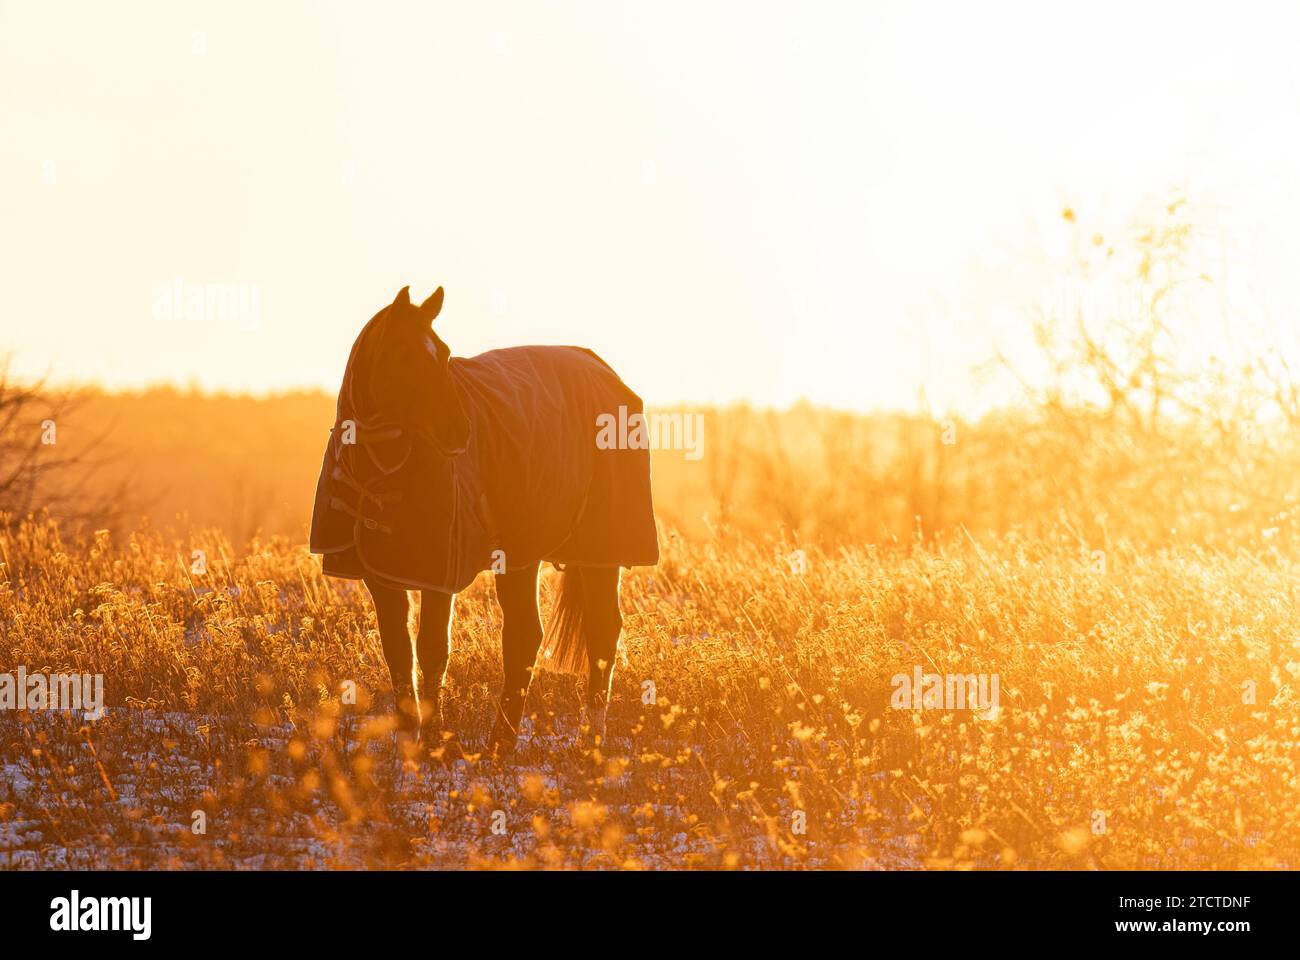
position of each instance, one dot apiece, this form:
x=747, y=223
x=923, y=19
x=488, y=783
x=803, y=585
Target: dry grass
x=1121, y=549
x=1121, y=692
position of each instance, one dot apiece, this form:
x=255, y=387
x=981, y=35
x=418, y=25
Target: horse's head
x=403, y=375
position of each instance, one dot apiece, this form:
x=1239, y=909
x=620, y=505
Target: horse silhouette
x=438, y=468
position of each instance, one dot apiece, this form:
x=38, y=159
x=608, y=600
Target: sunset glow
x=861, y=194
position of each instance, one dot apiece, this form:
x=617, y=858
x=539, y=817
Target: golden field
x=1118, y=550
x=1148, y=650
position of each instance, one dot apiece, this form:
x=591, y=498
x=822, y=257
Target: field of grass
x=1147, y=714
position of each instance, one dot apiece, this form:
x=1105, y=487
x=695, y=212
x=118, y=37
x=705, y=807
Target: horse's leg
x=391, y=609
x=521, y=635
x=433, y=646
x=601, y=623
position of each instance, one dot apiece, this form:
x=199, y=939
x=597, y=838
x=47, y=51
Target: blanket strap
x=370, y=524
x=380, y=499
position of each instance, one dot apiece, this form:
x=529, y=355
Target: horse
x=438, y=468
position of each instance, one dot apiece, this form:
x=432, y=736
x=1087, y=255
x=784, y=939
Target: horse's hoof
x=593, y=723
x=430, y=713
x=407, y=716
x=502, y=741
x=446, y=751
x=431, y=730
x=406, y=748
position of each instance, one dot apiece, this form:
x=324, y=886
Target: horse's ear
x=430, y=309
x=403, y=298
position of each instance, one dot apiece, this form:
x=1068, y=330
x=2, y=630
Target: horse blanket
x=532, y=484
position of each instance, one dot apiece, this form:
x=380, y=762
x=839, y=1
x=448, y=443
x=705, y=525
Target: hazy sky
x=726, y=200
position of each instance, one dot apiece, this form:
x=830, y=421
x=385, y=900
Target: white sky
x=726, y=200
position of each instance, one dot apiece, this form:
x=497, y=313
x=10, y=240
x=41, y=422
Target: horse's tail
x=564, y=643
